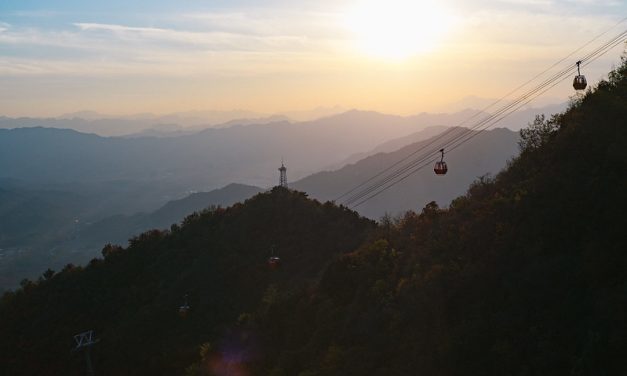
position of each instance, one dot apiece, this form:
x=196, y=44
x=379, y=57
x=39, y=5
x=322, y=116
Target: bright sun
x=397, y=29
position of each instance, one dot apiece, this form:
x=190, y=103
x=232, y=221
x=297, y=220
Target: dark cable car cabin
x=274, y=261
x=579, y=83
x=440, y=167
x=184, y=309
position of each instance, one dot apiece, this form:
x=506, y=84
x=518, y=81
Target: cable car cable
x=485, y=108
x=489, y=119
x=462, y=132
x=589, y=58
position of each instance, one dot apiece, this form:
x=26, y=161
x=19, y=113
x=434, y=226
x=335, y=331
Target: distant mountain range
x=487, y=153
x=183, y=123
x=145, y=172
x=174, y=124
x=68, y=193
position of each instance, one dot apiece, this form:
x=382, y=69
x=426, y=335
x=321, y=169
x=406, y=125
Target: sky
x=394, y=56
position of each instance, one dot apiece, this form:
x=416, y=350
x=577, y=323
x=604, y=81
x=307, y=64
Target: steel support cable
x=443, y=134
x=488, y=120
x=461, y=133
x=587, y=60
x=484, y=123
x=590, y=58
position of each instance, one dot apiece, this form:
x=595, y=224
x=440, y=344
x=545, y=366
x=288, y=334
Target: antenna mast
x=283, y=175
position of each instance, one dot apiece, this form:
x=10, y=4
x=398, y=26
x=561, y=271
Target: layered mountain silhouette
x=120, y=185
x=78, y=234
x=486, y=154
x=118, y=229
x=523, y=274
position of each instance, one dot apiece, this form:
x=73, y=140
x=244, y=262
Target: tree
x=538, y=132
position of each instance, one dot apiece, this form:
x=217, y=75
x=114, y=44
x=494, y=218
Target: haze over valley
x=113, y=186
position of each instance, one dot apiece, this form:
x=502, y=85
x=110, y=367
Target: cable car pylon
x=84, y=341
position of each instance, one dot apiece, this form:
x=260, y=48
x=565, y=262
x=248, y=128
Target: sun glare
x=397, y=29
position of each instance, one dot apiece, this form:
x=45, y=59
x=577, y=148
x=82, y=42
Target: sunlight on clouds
x=396, y=56
x=397, y=29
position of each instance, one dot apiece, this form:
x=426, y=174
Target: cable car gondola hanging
x=184, y=309
x=274, y=262
x=579, y=83
x=440, y=167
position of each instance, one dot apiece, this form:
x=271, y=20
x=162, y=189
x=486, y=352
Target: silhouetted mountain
x=48, y=229
x=485, y=154
x=117, y=229
x=70, y=160
x=392, y=145
x=108, y=211
x=103, y=127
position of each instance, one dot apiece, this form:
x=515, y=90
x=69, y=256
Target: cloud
x=104, y=48
x=312, y=24
x=212, y=40
x=263, y=41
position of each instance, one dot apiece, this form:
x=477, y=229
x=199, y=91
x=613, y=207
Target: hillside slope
x=117, y=229
x=523, y=275
x=130, y=298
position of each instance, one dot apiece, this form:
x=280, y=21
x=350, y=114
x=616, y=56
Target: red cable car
x=579, y=83
x=440, y=167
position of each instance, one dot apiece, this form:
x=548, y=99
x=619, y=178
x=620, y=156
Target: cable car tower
x=84, y=341
x=283, y=175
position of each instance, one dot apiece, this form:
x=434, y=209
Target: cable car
x=184, y=309
x=440, y=166
x=579, y=83
x=274, y=261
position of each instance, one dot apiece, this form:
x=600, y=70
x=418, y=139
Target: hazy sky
x=395, y=56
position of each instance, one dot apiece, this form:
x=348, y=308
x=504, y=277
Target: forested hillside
x=131, y=297
x=522, y=275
